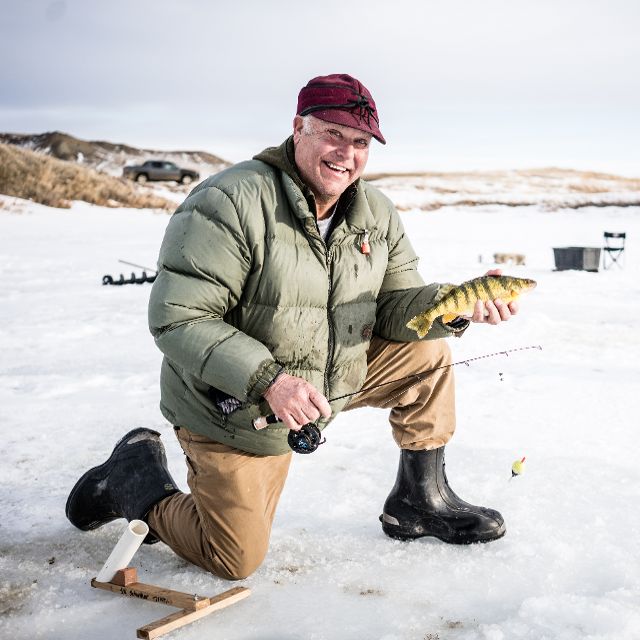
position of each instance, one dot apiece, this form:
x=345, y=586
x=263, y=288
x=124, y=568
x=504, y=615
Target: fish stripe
x=487, y=287
x=458, y=298
x=476, y=289
x=467, y=296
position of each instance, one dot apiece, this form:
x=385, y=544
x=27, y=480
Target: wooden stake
x=180, y=618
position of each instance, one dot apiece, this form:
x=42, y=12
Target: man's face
x=329, y=156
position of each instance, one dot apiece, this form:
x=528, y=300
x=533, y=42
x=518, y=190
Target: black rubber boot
x=127, y=485
x=423, y=504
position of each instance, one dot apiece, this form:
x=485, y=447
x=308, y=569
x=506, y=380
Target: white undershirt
x=325, y=223
x=323, y=226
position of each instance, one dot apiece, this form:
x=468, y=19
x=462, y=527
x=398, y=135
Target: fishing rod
x=308, y=438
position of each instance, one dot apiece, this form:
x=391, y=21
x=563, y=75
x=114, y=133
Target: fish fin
x=448, y=317
x=443, y=290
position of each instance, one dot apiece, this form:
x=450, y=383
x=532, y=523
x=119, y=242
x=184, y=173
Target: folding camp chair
x=613, y=249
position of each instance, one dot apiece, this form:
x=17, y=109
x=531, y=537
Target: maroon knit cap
x=341, y=99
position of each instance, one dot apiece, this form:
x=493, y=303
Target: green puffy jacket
x=246, y=286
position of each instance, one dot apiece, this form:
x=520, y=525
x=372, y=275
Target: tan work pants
x=224, y=524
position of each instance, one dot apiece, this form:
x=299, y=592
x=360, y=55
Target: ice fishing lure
x=517, y=468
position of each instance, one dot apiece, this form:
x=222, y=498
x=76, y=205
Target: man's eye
x=335, y=134
x=362, y=144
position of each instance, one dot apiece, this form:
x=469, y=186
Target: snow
x=79, y=369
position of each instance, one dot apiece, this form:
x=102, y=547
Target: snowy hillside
x=108, y=157
x=549, y=188
x=79, y=369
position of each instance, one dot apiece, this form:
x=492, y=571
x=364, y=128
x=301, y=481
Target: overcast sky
x=458, y=83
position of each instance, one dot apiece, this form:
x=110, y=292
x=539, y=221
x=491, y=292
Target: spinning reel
x=307, y=440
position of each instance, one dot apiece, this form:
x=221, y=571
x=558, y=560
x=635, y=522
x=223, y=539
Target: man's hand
x=497, y=310
x=296, y=402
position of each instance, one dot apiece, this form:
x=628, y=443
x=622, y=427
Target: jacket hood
x=282, y=158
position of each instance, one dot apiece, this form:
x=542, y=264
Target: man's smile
x=336, y=167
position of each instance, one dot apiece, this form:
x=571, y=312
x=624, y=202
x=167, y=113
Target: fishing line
x=421, y=374
x=262, y=421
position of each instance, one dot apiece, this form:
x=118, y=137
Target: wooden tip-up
x=193, y=606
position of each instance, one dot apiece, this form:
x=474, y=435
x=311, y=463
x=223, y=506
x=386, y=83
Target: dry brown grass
x=56, y=183
x=546, y=173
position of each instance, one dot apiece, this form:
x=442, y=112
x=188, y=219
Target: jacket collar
x=282, y=158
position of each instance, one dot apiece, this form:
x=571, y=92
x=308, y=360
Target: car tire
x=186, y=180
x=142, y=178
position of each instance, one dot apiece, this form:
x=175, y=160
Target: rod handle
x=263, y=421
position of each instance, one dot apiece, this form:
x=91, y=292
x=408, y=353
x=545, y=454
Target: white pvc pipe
x=124, y=550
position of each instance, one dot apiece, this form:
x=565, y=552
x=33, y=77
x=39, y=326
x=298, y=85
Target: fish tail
x=422, y=323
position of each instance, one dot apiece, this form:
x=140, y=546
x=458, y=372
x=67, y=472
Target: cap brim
x=350, y=119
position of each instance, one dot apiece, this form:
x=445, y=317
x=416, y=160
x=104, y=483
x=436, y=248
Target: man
x=284, y=284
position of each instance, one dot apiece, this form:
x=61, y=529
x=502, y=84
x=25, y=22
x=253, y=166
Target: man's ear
x=298, y=124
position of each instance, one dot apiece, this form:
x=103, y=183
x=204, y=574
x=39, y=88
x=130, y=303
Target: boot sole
x=95, y=471
x=397, y=532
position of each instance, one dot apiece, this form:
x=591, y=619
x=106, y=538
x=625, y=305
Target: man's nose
x=345, y=150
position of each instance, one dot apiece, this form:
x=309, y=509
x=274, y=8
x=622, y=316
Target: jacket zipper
x=331, y=344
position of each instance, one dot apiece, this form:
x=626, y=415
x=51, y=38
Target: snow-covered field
x=79, y=369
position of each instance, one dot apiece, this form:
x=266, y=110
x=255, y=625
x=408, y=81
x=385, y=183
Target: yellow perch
x=460, y=300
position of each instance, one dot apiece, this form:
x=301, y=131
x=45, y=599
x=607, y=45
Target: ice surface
x=79, y=369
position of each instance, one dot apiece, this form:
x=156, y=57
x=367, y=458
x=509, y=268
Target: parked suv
x=159, y=170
